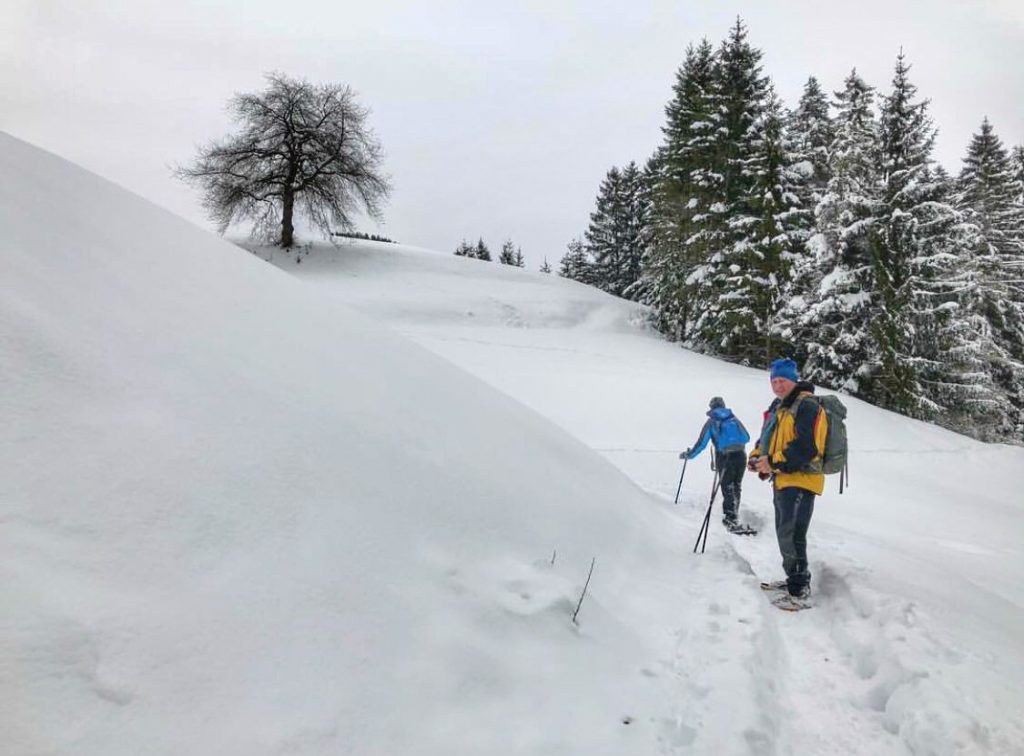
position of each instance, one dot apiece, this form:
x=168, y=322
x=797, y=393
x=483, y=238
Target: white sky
x=498, y=119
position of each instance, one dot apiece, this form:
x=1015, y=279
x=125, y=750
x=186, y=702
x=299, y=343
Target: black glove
x=684, y=454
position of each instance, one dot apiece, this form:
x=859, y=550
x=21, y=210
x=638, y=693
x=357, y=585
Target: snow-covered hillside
x=245, y=511
x=917, y=646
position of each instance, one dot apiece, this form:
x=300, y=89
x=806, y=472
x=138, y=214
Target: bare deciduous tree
x=302, y=147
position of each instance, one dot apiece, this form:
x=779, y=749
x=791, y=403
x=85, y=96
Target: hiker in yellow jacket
x=789, y=451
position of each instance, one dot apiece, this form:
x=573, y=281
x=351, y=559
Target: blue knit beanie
x=785, y=368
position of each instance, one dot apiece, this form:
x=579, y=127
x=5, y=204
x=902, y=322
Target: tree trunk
x=287, y=229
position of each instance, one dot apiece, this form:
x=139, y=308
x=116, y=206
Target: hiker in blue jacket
x=729, y=438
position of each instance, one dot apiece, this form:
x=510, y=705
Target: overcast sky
x=498, y=119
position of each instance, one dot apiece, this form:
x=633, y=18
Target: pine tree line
x=610, y=255
x=363, y=235
x=827, y=233
x=510, y=254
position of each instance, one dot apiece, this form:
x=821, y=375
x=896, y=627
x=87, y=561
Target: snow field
x=351, y=509
x=914, y=580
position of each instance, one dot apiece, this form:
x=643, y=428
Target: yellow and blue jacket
x=793, y=437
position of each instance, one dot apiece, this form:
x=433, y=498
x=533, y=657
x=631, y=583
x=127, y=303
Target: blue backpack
x=729, y=432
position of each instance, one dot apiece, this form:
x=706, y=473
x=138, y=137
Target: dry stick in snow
x=584, y=591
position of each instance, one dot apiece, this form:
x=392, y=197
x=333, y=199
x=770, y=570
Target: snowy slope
x=916, y=647
x=238, y=518
x=245, y=511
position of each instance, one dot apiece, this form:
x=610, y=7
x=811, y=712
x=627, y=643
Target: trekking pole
x=680, y=487
x=707, y=516
x=705, y=527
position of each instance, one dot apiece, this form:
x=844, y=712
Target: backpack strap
x=814, y=465
x=795, y=406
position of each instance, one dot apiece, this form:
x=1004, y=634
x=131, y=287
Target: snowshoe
x=775, y=585
x=787, y=602
x=738, y=528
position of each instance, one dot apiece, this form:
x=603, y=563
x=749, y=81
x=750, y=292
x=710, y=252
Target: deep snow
x=348, y=505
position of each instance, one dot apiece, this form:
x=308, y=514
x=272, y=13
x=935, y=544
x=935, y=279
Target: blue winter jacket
x=724, y=430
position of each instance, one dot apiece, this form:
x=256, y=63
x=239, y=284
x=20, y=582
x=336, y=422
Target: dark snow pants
x=731, y=466
x=793, y=510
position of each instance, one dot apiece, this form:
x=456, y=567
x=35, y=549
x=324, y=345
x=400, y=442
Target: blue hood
x=720, y=413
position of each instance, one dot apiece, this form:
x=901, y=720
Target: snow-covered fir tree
x=951, y=340
x=639, y=229
x=830, y=321
x=1017, y=160
x=465, y=249
x=616, y=236
x=508, y=253
x=906, y=138
x=988, y=192
x=605, y=236
x=990, y=187
x=576, y=263
x=945, y=185
x=835, y=240
x=639, y=290
x=683, y=187
x=729, y=281
x=810, y=133
x=809, y=136
x=545, y=266
x=519, y=261
x=481, y=251
x=784, y=223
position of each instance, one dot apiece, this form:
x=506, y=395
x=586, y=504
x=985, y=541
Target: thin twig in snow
x=592, y=561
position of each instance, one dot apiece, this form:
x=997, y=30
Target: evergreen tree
x=545, y=266
x=926, y=331
x=729, y=280
x=519, y=261
x=990, y=187
x=481, y=252
x=945, y=186
x=508, y=253
x=465, y=250
x=683, y=187
x=906, y=137
x=638, y=229
x=1017, y=159
x=644, y=289
x=618, y=226
x=831, y=321
x=988, y=192
x=605, y=235
x=576, y=263
x=951, y=340
x=810, y=134
x=778, y=240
